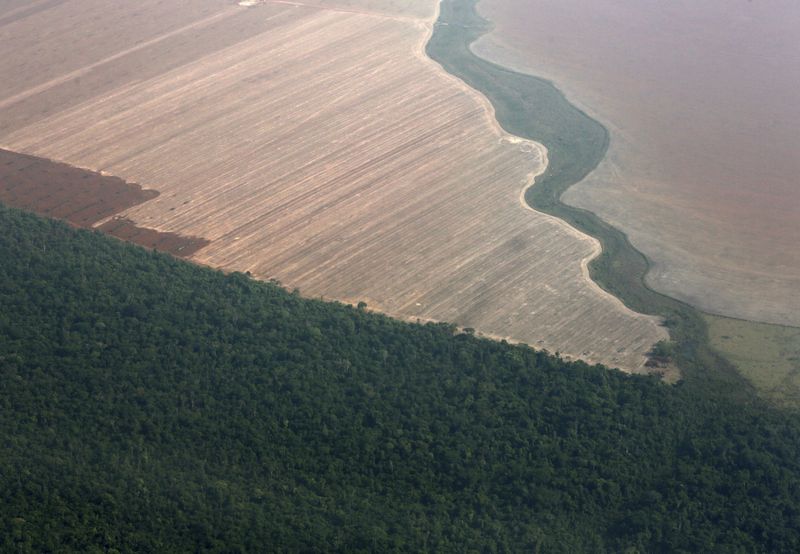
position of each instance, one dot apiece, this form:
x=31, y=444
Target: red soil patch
x=175, y=244
x=83, y=198
x=58, y=190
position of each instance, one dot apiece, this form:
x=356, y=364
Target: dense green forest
x=150, y=405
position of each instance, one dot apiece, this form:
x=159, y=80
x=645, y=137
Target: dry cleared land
x=319, y=147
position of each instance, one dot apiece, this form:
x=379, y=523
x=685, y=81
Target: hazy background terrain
x=701, y=102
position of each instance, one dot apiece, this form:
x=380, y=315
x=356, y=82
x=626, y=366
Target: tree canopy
x=150, y=405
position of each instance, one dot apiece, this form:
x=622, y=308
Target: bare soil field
x=84, y=199
x=173, y=243
x=80, y=197
x=321, y=148
x=407, y=9
x=701, y=103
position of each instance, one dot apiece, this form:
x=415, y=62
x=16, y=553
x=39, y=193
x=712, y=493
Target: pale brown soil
x=320, y=148
x=405, y=9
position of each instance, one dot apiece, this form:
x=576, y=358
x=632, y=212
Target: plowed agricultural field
x=316, y=145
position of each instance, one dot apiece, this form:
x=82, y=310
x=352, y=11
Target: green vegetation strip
x=533, y=108
x=767, y=355
x=151, y=405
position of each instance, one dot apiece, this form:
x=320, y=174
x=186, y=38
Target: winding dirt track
x=317, y=146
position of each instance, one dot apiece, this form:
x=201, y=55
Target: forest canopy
x=150, y=405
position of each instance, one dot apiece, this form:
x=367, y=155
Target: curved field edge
x=534, y=109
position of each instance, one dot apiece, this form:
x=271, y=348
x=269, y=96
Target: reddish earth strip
x=83, y=198
x=175, y=244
